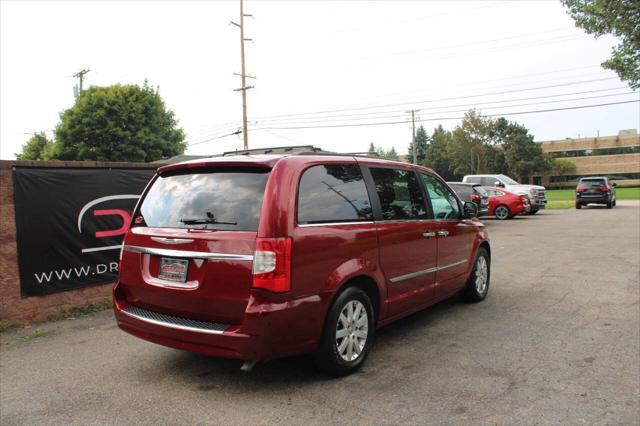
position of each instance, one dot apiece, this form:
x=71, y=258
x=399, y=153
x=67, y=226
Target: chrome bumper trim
x=187, y=254
x=177, y=323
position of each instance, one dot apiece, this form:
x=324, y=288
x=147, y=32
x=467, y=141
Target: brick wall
x=13, y=307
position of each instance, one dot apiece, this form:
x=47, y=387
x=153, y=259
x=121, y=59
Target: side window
x=443, y=202
x=333, y=193
x=400, y=194
x=473, y=179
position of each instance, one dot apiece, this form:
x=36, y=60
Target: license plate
x=173, y=269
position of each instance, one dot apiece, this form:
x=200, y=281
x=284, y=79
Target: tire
x=502, y=212
x=614, y=202
x=477, y=290
x=334, y=358
x=610, y=204
x=578, y=205
x=532, y=212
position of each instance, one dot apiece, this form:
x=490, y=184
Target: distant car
x=595, y=190
x=505, y=205
x=537, y=194
x=472, y=192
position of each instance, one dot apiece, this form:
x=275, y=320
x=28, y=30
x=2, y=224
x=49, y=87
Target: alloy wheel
x=352, y=330
x=482, y=275
x=502, y=212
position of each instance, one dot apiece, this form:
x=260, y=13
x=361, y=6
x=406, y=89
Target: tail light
x=272, y=264
x=604, y=187
x=475, y=198
x=580, y=188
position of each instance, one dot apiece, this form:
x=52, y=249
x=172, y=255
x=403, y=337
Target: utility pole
x=243, y=75
x=80, y=76
x=413, y=136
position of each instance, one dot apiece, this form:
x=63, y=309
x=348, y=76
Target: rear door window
x=399, y=193
x=333, y=193
x=208, y=199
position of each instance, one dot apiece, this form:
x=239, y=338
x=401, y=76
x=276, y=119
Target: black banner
x=70, y=224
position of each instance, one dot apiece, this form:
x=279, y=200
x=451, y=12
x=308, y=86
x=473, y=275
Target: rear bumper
x=595, y=198
x=269, y=330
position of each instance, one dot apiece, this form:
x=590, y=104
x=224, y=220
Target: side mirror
x=470, y=210
x=498, y=184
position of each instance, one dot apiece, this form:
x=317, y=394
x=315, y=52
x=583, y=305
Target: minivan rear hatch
x=190, y=248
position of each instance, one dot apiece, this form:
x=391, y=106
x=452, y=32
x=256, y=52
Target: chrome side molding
x=425, y=271
x=185, y=254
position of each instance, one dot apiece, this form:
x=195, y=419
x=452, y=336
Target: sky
x=334, y=74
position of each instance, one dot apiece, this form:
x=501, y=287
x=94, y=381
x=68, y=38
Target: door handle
x=443, y=233
x=429, y=234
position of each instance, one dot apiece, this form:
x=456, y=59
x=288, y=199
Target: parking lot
x=556, y=341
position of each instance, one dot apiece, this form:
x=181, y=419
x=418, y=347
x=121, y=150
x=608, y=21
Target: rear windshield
x=592, y=182
x=209, y=199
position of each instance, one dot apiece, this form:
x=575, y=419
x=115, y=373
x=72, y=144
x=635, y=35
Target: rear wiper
x=206, y=220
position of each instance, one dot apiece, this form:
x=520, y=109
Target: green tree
x=372, y=149
x=617, y=17
x=391, y=154
x=36, y=148
x=437, y=153
x=563, y=168
x=422, y=142
x=467, y=151
x=118, y=123
x=522, y=156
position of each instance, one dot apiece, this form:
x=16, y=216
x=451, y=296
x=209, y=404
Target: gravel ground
x=556, y=342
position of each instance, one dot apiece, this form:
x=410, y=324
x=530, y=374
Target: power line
x=387, y=22
x=207, y=131
x=480, y=105
x=320, y=68
x=237, y=132
x=445, y=118
x=573, y=83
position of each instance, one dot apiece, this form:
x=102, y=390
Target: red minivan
x=259, y=257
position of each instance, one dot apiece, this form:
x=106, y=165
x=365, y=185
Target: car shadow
x=211, y=374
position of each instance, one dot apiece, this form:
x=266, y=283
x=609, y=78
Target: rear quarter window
x=331, y=193
x=207, y=199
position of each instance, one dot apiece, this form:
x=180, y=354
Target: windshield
x=507, y=180
x=210, y=199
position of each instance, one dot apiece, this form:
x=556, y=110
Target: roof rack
x=297, y=150
x=275, y=150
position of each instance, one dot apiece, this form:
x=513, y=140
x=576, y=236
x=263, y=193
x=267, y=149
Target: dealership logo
x=124, y=215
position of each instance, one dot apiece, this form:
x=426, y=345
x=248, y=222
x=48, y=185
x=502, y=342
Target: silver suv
x=536, y=193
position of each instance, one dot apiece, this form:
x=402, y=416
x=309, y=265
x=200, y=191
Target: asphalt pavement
x=557, y=341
